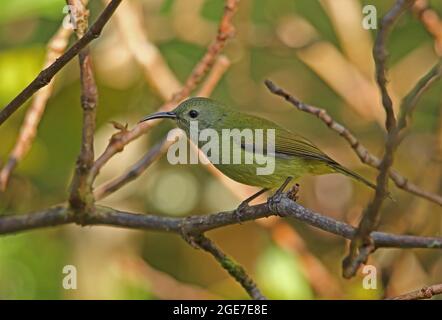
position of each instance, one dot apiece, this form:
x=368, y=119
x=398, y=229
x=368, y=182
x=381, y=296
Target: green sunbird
x=294, y=155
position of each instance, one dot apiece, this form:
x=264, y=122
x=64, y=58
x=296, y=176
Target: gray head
x=206, y=111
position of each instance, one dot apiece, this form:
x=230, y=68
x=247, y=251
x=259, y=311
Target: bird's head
x=207, y=112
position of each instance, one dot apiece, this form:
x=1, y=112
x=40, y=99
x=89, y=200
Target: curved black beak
x=160, y=115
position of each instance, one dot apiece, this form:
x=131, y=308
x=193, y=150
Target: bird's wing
x=287, y=143
x=290, y=144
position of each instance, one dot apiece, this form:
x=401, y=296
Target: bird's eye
x=193, y=114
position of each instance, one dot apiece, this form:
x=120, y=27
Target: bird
x=294, y=155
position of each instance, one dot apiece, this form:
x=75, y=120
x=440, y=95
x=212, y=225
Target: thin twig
x=424, y=293
x=45, y=76
x=225, y=31
x=134, y=171
x=361, y=151
x=81, y=197
x=231, y=266
x=28, y=131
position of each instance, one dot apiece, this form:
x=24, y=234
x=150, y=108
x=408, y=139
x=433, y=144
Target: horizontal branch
x=45, y=76
x=60, y=215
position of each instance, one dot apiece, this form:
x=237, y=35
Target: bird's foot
x=273, y=202
x=276, y=198
x=243, y=206
x=292, y=194
x=238, y=213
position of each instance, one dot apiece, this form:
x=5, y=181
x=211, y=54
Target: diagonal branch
x=45, y=76
x=361, y=151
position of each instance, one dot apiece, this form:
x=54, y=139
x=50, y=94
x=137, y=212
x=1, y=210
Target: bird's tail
x=337, y=167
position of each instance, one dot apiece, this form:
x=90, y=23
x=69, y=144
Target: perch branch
x=194, y=225
x=45, y=76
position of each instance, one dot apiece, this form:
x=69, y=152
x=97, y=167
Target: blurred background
x=317, y=50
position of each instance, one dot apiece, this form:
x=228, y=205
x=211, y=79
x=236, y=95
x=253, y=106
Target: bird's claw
x=275, y=199
x=238, y=213
x=273, y=202
x=292, y=194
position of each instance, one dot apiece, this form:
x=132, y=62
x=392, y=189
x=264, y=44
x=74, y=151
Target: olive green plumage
x=295, y=155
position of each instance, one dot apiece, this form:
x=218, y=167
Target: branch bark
x=81, y=196
x=194, y=225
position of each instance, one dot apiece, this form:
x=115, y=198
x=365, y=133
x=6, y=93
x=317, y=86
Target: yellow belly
x=284, y=168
